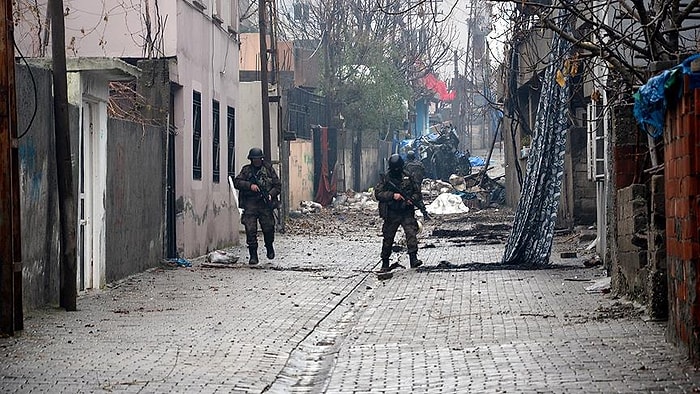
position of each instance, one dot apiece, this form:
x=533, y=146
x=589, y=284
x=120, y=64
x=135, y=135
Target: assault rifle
x=418, y=204
x=265, y=194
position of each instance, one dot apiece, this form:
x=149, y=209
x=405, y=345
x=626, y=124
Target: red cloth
x=439, y=87
x=326, y=187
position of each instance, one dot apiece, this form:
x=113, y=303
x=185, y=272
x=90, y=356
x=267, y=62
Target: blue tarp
x=477, y=161
x=652, y=99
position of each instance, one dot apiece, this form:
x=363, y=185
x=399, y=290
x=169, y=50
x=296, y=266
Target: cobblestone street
x=317, y=319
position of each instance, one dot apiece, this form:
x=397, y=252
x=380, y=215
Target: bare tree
x=146, y=31
x=398, y=39
x=625, y=34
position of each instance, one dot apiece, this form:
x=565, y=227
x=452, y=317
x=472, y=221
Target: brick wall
x=682, y=188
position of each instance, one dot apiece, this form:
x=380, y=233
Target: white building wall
x=207, y=62
x=105, y=28
x=201, y=35
x=249, y=124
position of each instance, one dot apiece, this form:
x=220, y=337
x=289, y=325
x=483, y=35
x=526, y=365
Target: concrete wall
x=201, y=37
x=134, y=199
x=583, y=189
x=39, y=189
x=371, y=160
x=248, y=122
x=207, y=215
x=39, y=218
x=250, y=53
x=345, y=144
x=682, y=190
x=100, y=28
x=301, y=172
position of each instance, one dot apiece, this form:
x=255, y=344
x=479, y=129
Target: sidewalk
x=318, y=320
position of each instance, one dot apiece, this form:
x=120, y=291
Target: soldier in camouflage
x=396, y=193
x=415, y=167
x=259, y=188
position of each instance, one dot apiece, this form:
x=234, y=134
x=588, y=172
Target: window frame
x=216, y=141
x=196, y=135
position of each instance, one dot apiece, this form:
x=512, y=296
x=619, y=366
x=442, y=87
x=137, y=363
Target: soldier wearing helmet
x=259, y=188
x=396, y=193
x=415, y=167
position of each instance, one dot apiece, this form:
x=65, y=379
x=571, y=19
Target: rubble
x=439, y=152
x=356, y=201
x=445, y=204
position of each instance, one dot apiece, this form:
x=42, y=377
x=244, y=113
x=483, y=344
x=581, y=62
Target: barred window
x=216, y=129
x=231, y=135
x=197, y=135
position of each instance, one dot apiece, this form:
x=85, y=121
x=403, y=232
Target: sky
x=459, y=11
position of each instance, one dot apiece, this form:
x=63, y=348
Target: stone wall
x=630, y=270
x=656, y=237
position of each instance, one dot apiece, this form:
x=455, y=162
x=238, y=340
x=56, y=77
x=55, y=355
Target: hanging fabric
x=530, y=240
x=327, y=184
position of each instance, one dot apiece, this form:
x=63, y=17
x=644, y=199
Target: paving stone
x=317, y=319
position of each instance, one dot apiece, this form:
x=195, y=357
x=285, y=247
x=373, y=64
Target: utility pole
x=262, y=21
x=11, y=315
x=275, y=80
x=457, y=119
x=66, y=199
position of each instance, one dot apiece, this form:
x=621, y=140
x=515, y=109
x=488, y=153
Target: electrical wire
x=36, y=95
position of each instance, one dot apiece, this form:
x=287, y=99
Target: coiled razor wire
x=530, y=240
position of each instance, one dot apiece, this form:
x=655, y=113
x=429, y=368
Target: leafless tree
x=624, y=34
x=356, y=35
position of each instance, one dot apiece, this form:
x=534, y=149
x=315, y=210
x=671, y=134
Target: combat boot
x=253, y=251
x=269, y=239
x=385, y=265
x=270, y=251
x=413, y=258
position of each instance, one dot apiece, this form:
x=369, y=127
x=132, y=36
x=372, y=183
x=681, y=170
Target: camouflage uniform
x=255, y=208
x=417, y=171
x=398, y=213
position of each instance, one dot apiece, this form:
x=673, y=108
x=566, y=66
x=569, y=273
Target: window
x=231, y=135
x=216, y=12
x=596, y=142
x=196, y=135
x=199, y=4
x=216, y=128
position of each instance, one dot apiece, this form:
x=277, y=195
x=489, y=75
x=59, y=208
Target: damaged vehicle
x=439, y=153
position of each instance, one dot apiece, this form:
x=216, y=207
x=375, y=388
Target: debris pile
x=476, y=190
x=439, y=152
x=356, y=201
x=446, y=204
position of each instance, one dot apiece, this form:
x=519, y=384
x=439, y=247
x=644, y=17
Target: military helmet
x=395, y=162
x=255, y=153
x=411, y=155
